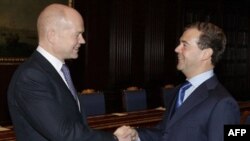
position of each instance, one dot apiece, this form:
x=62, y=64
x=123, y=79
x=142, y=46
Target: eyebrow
x=185, y=42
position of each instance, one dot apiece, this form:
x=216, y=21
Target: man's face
x=188, y=53
x=69, y=39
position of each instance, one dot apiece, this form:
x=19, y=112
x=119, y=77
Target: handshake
x=126, y=133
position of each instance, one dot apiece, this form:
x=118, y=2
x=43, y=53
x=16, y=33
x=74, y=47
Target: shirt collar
x=56, y=63
x=199, y=79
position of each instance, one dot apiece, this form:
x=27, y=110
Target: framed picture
x=18, y=33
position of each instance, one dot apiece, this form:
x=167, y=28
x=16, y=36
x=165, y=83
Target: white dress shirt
x=56, y=63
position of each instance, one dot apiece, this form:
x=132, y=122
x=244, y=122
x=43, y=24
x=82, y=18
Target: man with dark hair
x=199, y=108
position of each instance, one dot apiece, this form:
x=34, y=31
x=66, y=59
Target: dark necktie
x=66, y=73
x=181, y=95
x=179, y=101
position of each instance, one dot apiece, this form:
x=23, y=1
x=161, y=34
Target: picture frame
x=18, y=33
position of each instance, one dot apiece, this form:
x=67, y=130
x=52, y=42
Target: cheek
x=74, y=41
x=192, y=53
x=70, y=42
x=194, y=58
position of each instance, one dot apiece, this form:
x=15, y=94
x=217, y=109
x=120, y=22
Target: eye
x=77, y=35
x=185, y=44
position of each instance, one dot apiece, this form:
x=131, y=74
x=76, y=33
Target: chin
x=179, y=67
x=74, y=57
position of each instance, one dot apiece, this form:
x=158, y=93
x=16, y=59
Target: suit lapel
x=45, y=65
x=48, y=67
x=173, y=102
x=197, y=97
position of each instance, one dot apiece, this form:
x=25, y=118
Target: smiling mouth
x=76, y=48
x=179, y=58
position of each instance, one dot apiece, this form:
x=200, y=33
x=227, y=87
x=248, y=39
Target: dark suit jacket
x=42, y=107
x=200, y=118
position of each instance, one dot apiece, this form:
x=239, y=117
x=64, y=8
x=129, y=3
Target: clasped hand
x=126, y=133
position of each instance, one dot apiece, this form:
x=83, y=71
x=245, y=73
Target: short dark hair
x=212, y=37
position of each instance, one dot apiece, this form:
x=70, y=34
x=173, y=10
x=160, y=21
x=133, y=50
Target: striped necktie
x=181, y=94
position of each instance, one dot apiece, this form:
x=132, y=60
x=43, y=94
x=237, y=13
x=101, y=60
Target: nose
x=177, y=49
x=82, y=40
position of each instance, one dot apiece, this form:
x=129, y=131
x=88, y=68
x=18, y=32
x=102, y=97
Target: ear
x=207, y=53
x=51, y=36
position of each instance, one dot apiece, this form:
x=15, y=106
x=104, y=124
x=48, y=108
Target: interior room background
x=132, y=42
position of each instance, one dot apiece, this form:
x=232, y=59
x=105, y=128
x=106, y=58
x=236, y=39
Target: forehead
x=74, y=23
x=190, y=35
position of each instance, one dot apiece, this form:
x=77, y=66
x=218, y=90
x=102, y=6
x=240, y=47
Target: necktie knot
x=181, y=95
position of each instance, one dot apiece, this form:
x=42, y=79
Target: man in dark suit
x=206, y=106
x=42, y=101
